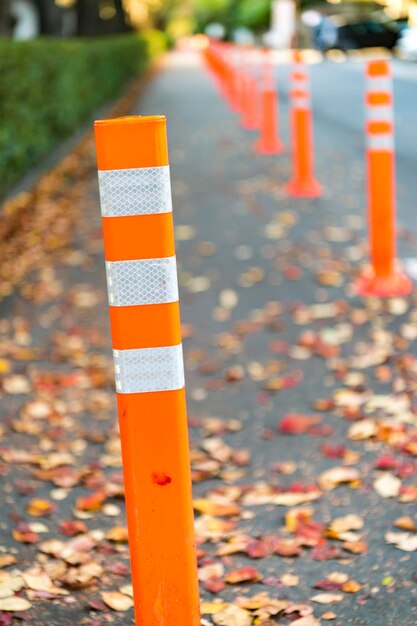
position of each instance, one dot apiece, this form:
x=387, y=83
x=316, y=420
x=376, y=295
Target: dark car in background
x=330, y=35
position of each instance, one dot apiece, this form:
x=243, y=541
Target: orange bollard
x=269, y=141
x=303, y=183
x=250, y=118
x=136, y=206
x=384, y=278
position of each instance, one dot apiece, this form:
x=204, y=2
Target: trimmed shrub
x=49, y=87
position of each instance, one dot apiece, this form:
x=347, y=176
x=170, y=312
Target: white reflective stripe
x=379, y=83
x=139, y=191
x=146, y=281
x=301, y=103
x=301, y=84
x=380, y=142
x=149, y=369
x=381, y=113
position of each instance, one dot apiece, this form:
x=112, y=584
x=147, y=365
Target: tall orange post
x=269, y=141
x=383, y=278
x=303, y=183
x=136, y=207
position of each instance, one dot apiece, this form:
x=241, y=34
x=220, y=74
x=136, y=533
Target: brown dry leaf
x=14, y=604
x=336, y=476
x=351, y=586
x=346, y=523
x=117, y=601
x=407, y=542
x=364, y=429
x=243, y=575
x=387, y=485
x=232, y=616
x=93, y=502
x=7, y=559
x=37, y=579
x=405, y=523
x=216, y=509
x=327, y=598
x=118, y=534
x=209, y=571
x=9, y=584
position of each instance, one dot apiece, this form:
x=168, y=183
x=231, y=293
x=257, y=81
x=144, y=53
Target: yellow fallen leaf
x=14, y=604
x=116, y=600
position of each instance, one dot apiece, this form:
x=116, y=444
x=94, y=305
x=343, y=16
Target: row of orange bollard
x=259, y=109
x=135, y=194
x=253, y=94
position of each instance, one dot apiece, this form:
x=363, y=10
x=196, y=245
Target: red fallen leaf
x=243, y=575
x=119, y=569
x=93, y=502
x=405, y=470
x=322, y=430
x=214, y=584
x=333, y=452
x=328, y=585
x=70, y=528
x=386, y=462
x=24, y=535
x=294, y=424
x=259, y=548
x=326, y=553
x=286, y=548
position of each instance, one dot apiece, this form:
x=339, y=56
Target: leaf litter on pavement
x=64, y=538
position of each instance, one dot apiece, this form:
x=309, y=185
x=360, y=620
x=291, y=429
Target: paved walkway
x=297, y=394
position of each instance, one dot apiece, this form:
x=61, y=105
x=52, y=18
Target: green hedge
x=49, y=87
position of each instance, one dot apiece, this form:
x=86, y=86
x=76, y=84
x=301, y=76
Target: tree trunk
x=5, y=18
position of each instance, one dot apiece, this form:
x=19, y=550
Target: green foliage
x=254, y=14
x=49, y=87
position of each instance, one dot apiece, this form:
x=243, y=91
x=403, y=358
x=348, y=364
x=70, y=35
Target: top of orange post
x=378, y=68
x=131, y=142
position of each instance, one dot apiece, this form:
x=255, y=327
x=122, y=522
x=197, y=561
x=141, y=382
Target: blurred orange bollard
x=383, y=278
x=136, y=207
x=303, y=183
x=269, y=141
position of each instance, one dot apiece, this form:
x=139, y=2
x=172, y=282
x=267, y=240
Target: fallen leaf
x=117, y=601
x=387, y=485
x=327, y=598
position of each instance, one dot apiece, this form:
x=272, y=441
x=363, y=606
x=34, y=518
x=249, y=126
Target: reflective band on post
x=379, y=83
x=146, y=281
x=149, y=369
x=380, y=142
x=301, y=103
x=139, y=191
x=380, y=113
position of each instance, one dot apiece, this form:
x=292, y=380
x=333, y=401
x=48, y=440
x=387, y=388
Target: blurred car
x=407, y=44
x=330, y=35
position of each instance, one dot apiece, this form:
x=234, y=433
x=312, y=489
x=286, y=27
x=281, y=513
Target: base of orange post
x=301, y=189
x=273, y=147
x=395, y=284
